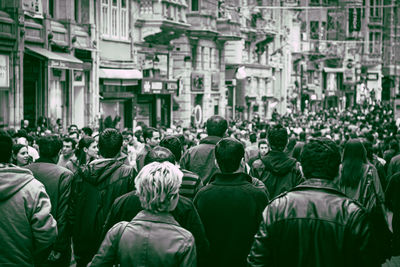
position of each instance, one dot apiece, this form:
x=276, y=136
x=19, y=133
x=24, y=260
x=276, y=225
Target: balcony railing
x=172, y=10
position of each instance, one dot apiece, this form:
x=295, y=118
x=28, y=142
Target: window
x=202, y=58
x=375, y=42
x=375, y=8
x=114, y=17
x=310, y=76
x=104, y=17
x=51, y=8
x=195, y=5
x=314, y=30
x=210, y=65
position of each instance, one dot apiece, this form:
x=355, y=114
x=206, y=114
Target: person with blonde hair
x=169, y=244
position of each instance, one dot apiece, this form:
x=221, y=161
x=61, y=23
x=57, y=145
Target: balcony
x=162, y=21
x=372, y=59
x=228, y=25
x=203, y=23
x=81, y=35
x=7, y=26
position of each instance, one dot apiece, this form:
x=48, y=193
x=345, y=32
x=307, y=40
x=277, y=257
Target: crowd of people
x=316, y=189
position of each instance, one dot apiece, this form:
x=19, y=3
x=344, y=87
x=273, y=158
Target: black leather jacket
x=313, y=224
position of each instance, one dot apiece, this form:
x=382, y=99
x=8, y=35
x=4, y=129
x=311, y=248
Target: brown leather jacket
x=148, y=240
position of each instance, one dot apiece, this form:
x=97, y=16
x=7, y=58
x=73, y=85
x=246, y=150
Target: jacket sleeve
x=184, y=163
x=107, y=253
x=189, y=255
x=43, y=225
x=195, y=226
x=362, y=241
x=64, y=230
x=260, y=253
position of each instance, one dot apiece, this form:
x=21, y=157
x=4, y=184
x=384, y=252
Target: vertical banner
x=354, y=20
x=4, y=71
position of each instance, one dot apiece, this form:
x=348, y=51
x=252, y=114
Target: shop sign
x=158, y=87
x=33, y=8
x=4, y=71
x=173, y=86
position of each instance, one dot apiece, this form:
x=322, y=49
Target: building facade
x=49, y=66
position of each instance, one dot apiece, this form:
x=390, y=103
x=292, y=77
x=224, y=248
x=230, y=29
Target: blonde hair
x=156, y=185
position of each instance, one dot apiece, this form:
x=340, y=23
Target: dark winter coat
x=278, y=172
x=201, y=159
x=94, y=190
x=57, y=180
x=230, y=208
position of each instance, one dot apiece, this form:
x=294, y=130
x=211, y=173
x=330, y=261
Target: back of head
x=110, y=143
x=253, y=137
x=320, y=158
x=84, y=142
x=263, y=135
x=298, y=148
x=49, y=146
x=157, y=184
x=6, y=144
x=159, y=154
x=87, y=130
x=229, y=153
x=148, y=133
x=277, y=137
x=216, y=126
x=354, y=157
x=174, y=145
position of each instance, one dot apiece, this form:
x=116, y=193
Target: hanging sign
x=4, y=71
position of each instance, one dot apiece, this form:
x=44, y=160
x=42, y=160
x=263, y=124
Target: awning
x=120, y=74
x=330, y=70
x=56, y=59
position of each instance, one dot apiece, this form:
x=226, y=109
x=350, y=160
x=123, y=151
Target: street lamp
x=240, y=75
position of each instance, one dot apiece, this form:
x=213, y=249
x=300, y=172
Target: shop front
x=154, y=102
x=48, y=85
x=118, y=93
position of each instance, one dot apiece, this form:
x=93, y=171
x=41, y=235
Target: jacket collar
x=320, y=184
x=46, y=160
x=238, y=178
x=148, y=216
x=211, y=140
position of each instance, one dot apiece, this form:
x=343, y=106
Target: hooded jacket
x=201, y=159
x=26, y=225
x=94, y=190
x=278, y=172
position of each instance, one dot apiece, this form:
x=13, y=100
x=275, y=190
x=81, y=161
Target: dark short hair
x=87, y=130
x=262, y=142
x=70, y=140
x=72, y=126
x=216, y=126
x=277, y=137
x=174, y=145
x=148, y=133
x=110, y=142
x=320, y=158
x=228, y=153
x=6, y=144
x=159, y=154
x=16, y=148
x=253, y=137
x=49, y=146
x=263, y=135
